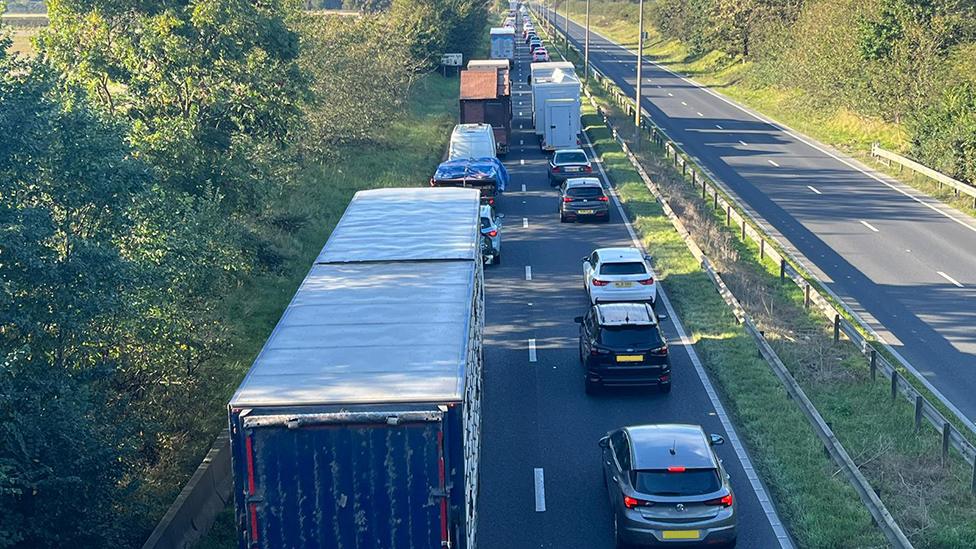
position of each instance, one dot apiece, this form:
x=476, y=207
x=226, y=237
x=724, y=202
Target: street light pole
x=640, y=67
x=566, y=27
x=586, y=47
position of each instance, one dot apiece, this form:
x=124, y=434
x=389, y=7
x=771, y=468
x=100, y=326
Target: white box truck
x=556, y=105
x=503, y=43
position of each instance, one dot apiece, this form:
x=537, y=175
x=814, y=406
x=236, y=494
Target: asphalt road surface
x=541, y=477
x=903, y=261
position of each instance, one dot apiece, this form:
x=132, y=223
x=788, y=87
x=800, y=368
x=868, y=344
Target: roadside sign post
x=451, y=60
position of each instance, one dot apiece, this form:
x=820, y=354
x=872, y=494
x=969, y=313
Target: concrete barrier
x=204, y=496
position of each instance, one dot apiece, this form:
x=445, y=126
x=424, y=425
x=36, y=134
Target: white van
x=472, y=141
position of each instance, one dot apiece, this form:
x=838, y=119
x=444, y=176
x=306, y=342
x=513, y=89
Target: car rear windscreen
x=631, y=268
x=584, y=192
x=691, y=482
x=571, y=157
x=642, y=337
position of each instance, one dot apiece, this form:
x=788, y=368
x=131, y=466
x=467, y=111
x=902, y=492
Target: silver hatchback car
x=667, y=487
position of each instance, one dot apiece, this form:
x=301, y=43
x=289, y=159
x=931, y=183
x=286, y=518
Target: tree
x=201, y=81
x=944, y=133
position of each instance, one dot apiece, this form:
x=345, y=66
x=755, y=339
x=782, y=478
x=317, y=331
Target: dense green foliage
x=148, y=157
x=905, y=61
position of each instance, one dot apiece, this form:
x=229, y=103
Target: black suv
x=583, y=197
x=621, y=344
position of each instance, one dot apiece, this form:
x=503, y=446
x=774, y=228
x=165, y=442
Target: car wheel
x=665, y=387
x=562, y=218
x=591, y=386
x=498, y=260
x=607, y=219
x=618, y=542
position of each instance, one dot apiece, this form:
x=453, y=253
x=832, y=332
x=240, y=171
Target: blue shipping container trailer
x=358, y=425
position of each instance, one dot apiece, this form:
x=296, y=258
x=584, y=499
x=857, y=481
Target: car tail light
x=632, y=503
x=594, y=351
x=660, y=351
x=491, y=201
x=600, y=282
x=603, y=199
x=664, y=378
x=493, y=233
x=646, y=281
x=724, y=501
x=587, y=169
x=676, y=469
x=567, y=199
x=555, y=169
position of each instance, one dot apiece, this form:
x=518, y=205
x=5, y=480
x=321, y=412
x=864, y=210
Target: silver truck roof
x=359, y=333
x=406, y=224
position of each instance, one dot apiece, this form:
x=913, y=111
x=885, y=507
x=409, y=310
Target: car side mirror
x=586, y=259
x=716, y=440
x=604, y=442
x=578, y=320
x=649, y=258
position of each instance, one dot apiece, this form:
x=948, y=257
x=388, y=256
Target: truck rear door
x=356, y=481
x=560, y=129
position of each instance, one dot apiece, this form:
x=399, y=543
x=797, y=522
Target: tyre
x=591, y=387
x=665, y=387
x=562, y=218
x=498, y=260
x=618, y=541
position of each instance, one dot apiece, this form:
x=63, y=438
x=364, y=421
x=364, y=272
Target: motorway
x=903, y=261
x=541, y=477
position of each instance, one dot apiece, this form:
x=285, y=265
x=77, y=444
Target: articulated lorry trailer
x=358, y=425
x=503, y=43
x=556, y=105
x=486, y=98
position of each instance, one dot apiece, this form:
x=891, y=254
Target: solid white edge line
x=792, y=133
x=814, y=189
x=528, y=272
x=540, y=490
x=785, y=542
x=525, y=222
x=868, y=225
x=532, y=355
x=950, y=279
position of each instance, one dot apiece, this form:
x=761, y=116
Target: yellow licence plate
x=680, y=534
x=630, y=358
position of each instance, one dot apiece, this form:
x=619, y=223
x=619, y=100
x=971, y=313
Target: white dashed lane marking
x=814, y=189
x=949, y=278
x=773, y=163
x=868, y=225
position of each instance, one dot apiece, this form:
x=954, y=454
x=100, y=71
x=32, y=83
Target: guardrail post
x=836, y=327
x=894, y=384
x=728, y=215
x=974, y=477
x=874, y=364
x=684, y=168
x=743, y=228
x=715, y=202
x=806, y=295
x=782, y=269
x=762, y=248
x=918, y=412
x=946, y=435
x=704, y=189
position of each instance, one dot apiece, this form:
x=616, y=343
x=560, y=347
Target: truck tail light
x=597, y=282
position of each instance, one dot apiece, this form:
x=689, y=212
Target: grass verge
x=929, y=497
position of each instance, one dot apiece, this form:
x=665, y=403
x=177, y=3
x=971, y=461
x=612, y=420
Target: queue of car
x=665, y=483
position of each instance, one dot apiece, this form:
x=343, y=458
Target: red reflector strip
x=249, y=447
x=254, y=523
x=676, y=469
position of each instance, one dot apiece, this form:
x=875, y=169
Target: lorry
x=472, y=141
x=556, y=105
x=358, y=425
x=486, y=98
x=503, y=43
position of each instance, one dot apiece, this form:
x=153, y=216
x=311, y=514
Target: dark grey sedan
x=581, y=198
x=667, y=487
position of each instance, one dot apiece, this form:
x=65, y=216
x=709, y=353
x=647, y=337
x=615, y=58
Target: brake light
x=646, y=281
x=660, y=351
x=587, y=169
x=603, y=199
x=567, y=199
x=599, y=282
x=493, y=233
x=491, y=201
x=724, y=501
x=676, y=469
x=555, y=168
x=631, y=503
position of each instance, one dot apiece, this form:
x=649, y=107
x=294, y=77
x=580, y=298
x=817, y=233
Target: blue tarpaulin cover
x=473, y=170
